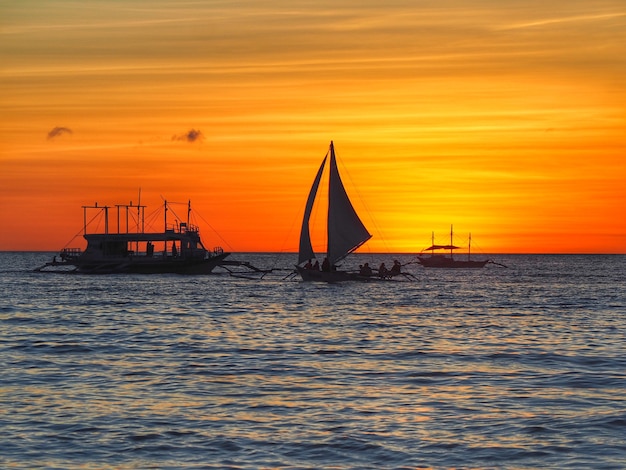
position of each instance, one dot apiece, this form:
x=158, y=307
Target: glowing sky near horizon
x=506, y=119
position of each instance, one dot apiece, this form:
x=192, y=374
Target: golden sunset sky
x=504, y=118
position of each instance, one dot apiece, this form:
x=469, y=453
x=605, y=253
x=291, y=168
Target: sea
x=519, y=365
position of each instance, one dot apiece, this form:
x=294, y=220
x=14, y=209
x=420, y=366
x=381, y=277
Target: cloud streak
x=58, y=132
x=567, y=19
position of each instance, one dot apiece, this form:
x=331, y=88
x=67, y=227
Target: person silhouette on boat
x=308, y=265
x=326, y=265
x=382, y=270
x=396, y=268
x=365, y=270
x=316, y=265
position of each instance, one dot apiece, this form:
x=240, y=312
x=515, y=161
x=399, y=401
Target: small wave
x=144, y=437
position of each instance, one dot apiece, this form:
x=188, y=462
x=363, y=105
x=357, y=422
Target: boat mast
x=165, y=229
x=451, y=244
x=188, y=212
x=432, y=244
x=138, y=213
x=469, y=247
x=165, y=215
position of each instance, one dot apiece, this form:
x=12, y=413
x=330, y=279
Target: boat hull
x=313, y=275
x=128, y=265
x=445, y=262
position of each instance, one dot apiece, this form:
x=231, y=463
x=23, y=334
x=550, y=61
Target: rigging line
x=176, y=218
x=154, y=218
x=169, y=208
x=285, y=238
x=476, y=248
x=289, y=233
x=98, y=214
x=230, y=248
x=345, y=171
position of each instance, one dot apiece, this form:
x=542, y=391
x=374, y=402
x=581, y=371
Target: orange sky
x=506, y=119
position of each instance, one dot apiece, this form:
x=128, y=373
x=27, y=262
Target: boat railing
x=182, y=227
x=70, y=253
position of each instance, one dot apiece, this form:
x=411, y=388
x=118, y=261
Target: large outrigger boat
x=177, y=249
x=438, y=258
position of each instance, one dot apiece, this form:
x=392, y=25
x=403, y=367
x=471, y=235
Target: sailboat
x=346, y=232
x=442, y=260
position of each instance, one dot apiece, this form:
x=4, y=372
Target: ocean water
x=518, y=367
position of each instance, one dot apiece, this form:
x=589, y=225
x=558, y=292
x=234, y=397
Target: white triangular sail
x=346, y=232
x=306, y=249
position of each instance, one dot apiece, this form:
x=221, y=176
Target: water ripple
x=516, y=368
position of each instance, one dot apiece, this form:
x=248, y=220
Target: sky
x=504, y=119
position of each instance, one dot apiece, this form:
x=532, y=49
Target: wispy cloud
x=191, y=136
x=58, y=132
x=567, y=19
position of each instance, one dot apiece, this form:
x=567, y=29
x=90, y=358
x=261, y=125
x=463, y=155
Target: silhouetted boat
x=177, y=249
x=345, y=232
x=438, y=258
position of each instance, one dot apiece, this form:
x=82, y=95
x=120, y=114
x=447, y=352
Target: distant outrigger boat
x=178, y=249
x=345, y=233
x=439, y=259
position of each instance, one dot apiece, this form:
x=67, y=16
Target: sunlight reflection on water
x=508, y=368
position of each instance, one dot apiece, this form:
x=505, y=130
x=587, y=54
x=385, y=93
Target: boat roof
x=145, y=237
x=442, y=247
